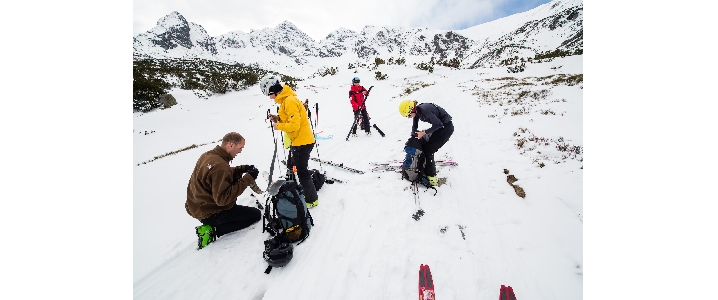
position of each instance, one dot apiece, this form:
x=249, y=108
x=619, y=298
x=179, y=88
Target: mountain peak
x=287, y=25
x=557, y=25
x=172, y=19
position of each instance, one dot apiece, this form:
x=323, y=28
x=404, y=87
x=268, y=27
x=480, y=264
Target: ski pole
x=274, y=156
x=315, y=143
x=354, y=126
x=281, y=135
x=309, y=111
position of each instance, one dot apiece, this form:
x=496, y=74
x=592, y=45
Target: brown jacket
x=210, y=189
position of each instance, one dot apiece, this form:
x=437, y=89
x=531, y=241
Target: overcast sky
x=318, y=18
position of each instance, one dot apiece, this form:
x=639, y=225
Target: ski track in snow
x=365, y=245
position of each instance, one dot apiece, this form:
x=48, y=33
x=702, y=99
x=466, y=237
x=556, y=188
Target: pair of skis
x=337, y=165
x=356, y=119
x=426, y=286
x=327, y=179
x=395, y=165
x=426, y=283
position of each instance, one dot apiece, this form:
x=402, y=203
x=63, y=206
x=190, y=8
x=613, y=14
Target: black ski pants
x=236, y=218
x=436, y=141
x=299, y=157
x=364, y=120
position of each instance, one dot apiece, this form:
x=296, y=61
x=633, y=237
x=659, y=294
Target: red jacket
x=356, y=97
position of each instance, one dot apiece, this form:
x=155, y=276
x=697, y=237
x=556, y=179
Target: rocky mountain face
x=552, y=26
x=174, y=37
x=561, y=30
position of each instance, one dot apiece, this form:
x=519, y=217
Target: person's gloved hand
x=252, y=171
x=238, y=171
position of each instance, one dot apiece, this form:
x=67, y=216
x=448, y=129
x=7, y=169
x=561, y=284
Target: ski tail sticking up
x=506, y=293
x=316, y=116
x=426, y=283
x=379, y=130
x=419, y=212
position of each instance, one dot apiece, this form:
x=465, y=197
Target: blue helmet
x=356, y=79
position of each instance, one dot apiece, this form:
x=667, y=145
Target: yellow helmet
x=405, y=107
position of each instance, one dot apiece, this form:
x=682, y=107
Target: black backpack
x=414, y=162
x=289, y=215
x=318, y=178
x=413, y=167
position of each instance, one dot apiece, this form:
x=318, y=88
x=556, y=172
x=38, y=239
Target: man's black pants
x=364, y=120
x=236, y=218
x=299, y=156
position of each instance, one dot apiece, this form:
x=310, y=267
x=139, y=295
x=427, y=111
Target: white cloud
x=319, y=18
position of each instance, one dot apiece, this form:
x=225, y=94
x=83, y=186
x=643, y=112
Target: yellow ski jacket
x=293, y=118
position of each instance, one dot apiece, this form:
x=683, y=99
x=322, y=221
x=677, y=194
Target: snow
x=506, y=24
x=476, y=235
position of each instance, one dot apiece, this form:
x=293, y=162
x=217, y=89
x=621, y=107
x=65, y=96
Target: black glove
x=252, y=171
x=237, y=174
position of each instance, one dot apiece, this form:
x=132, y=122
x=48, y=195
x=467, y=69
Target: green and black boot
x=206, y=235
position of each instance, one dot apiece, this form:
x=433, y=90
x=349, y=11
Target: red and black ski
x=506, y=293
x=426, y=283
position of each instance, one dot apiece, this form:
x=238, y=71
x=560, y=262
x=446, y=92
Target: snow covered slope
x=476, y=235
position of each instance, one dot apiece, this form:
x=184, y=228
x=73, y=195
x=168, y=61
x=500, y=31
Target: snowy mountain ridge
x=554, y=25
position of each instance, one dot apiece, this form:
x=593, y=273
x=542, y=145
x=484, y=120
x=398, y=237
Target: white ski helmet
x=270, y=84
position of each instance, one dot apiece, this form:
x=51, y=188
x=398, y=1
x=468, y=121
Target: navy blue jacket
x=431, y=113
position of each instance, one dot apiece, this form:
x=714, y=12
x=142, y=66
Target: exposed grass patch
x=561, y=79
x=379, y=76
x=154, y=77
x=426, y=67
x=411, y=87
x=327, y=71
x=521, y=96
x=543, y=149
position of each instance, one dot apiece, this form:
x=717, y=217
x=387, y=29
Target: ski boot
x=313, y=204
x=429, y=181
x=206, y=235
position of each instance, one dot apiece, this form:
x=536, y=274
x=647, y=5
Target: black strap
x=274, y=156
